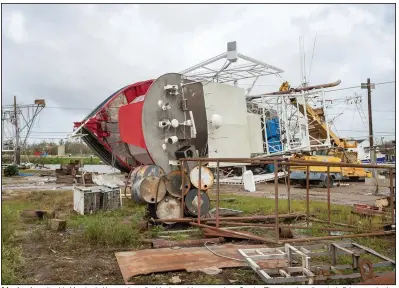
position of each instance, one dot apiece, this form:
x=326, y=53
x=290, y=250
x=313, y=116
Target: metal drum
x=191, y=203
x=145, y=171
x=207, y=177
x=174, y=181
x=150, y=189
x=169, y=208
x=137, y=177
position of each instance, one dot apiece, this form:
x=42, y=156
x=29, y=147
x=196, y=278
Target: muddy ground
x=348, y=193
x=63, y=258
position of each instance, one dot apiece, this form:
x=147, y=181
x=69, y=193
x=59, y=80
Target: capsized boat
x=102, y=131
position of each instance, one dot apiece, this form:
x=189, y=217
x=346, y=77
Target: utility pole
x=370, y=86
x=370, y=113
x=17, y=149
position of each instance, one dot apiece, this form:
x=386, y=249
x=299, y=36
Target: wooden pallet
x=276, y=273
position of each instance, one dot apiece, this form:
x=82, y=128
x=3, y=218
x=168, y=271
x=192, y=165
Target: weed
x=179, y=237
x=38, y=234
x=11, y=254
x=156, y=230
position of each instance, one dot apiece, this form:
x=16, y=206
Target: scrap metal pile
x=70, y=174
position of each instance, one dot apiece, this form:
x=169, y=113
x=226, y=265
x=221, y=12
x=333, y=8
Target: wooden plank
x=343, y=249
x=371, y=251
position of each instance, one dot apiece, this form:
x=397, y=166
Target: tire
x=325, y=182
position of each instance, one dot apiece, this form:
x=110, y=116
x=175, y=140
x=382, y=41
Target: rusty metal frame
x=309, y=273
x=281, y=161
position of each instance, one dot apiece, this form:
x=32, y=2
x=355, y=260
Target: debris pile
x=70, y=174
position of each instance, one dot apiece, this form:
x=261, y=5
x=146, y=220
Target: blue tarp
x=25, y=174
x=273, y=135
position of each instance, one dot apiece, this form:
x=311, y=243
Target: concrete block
x=58, y=225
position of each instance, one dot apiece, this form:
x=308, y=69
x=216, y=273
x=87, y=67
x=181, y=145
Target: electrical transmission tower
x=16, y=124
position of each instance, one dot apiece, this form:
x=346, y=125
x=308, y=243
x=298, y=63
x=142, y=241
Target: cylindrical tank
x=207, y=177
x=139, y=187
x=191, y=203
x=150, y=189
x=174, y=182
x=169, y=208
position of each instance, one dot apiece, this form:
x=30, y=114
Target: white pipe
x=172, y=140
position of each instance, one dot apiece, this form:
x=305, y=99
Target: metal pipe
x=243, y=218
x=276, y=198
x=333, y=223
x=199, y=193
x=182, y=187
x=382, y=233
x=392, y=195
x=298, y=162
x=328, y=195
x=252, y=237
x=217, y=194
x=272, y=226
x=271, y=159
x=337, y=164
x=302, y=89
x=307, y=196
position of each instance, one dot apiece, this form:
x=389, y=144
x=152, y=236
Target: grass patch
x=109, y=228
x=11, y=254
x=119, y=229
x=339, y=213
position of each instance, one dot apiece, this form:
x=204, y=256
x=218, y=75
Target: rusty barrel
x=150, y=189
x=174, y=182
x=207, y=177
x=191, y=203
x=145, y=180
x=168, y=208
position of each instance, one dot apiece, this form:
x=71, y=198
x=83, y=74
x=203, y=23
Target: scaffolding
x=16, y=125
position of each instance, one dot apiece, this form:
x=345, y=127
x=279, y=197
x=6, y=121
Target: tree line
x=51, y=148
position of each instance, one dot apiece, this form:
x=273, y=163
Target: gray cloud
x=77, y=55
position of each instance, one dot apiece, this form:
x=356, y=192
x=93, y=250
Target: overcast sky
x=75, y=56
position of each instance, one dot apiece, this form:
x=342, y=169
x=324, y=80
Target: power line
x=390, y=133
x=352, y=87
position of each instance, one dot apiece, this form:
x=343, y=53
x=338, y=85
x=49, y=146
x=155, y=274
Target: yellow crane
x=339, y=152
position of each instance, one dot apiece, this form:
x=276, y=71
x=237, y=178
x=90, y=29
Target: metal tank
x=174, y=183
x=191, y=203
x=169, y=208
x=145, y=191
x=207, y=178
x=167, y=123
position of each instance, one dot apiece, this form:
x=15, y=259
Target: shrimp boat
x=101, y=131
